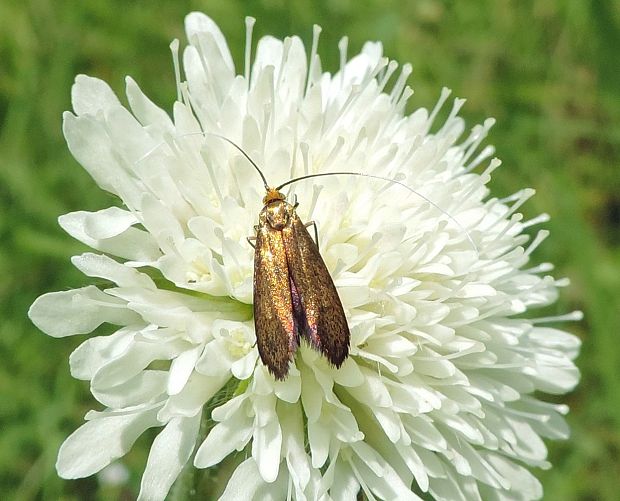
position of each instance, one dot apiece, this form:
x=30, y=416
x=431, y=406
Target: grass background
x=548, y=70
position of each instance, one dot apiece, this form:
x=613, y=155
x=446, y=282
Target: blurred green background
x=548, y=70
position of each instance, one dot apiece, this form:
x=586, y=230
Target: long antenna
x=265, y=183
x=242, y=152
x=373, y=176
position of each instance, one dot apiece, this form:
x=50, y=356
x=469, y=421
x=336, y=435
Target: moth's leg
x=295, y=203
x=253, y=239
x=316, y=231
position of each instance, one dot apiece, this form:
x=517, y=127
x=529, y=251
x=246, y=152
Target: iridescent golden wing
x=325, y=325
x=276, y=331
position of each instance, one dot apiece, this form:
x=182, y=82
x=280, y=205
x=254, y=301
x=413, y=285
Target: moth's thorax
x=277, y=214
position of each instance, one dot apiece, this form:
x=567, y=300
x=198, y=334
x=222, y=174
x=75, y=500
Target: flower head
x=438, y=393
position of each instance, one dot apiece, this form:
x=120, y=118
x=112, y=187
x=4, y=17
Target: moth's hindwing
x=276, y=332
x=326, y=326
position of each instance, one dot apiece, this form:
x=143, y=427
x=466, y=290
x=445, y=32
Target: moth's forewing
x=326, y=325
x=274, y=322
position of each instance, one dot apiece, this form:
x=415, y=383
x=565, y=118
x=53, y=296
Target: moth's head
x=273, y=195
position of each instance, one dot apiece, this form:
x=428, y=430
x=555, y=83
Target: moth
x=294, y=294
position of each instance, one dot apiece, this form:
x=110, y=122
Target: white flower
x=438, y=393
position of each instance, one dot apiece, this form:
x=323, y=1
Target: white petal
x=268, y=440
x=215, y=359
x=166, y=308
x=292, y=75
x=349, y=374
x=293, y=445
x=161, y=223
x=197, y=392
x=382, y=479
x=263, y=382
x=243, y=483
x=226, y=410
x=555, y=338
x=311, y=395
x=373, y=391
x=268, y=53
x=136, y=149
x=225, y=437
x=97, y=443
x=289, y=390
x=131, y=244
x=184, y=120
x=275, y=491
x=521, y=480
x=318, y=439
x=169, y=453
x=556, y=374
x=244, y=367
x=144, y=109
x=551, y=424
x=91, y=95
x=132, y=361
x=95, y=352
x=345, y=486
x=95, y=265
x=529, y=445
x=147, y=386
x=267, y=444
x=90, y=144
x=181, y=369
x=108, y=223
x=390, y=423
x=78, y=311
x=200, y=25
x=415, y=465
